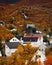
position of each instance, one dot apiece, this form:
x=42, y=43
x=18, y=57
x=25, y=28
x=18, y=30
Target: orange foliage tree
x=5, y=34
x=22, y=54
x=48, y=60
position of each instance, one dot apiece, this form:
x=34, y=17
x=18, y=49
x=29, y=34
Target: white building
x=40, y=55
x=11, y=46
x=35, y=40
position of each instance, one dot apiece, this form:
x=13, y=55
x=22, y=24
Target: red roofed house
x=35, y=40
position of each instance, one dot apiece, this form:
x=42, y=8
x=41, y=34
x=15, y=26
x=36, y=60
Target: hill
x=38, y=12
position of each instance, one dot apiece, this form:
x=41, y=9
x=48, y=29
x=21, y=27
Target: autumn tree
x=22, y=54
x=5, y=34
x=48, y=60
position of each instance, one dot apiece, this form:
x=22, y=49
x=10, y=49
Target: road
x=13, y=12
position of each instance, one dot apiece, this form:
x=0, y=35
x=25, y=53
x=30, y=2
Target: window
x=34, y=39
x=14, y=39
x=30, y=39
x=26, y=39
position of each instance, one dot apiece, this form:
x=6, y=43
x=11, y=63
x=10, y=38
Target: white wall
x=9, y=51
x=39, y=42
x=35, y=44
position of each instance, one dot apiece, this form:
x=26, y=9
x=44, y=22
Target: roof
x=30, y=39
x=32, y=36
x=12, y=45
x=14, y=39
x=31, y=25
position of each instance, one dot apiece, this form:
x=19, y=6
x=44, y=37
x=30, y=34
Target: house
x=31, y=29
x=11, y=46
x=35, y=40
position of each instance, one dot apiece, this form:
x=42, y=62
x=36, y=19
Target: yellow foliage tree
x=22, y=54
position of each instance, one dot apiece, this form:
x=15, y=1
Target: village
x=32, y=36
x=26, y=35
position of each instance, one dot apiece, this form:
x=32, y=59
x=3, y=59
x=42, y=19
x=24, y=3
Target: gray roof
x=30, y=39
x=12, y=45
